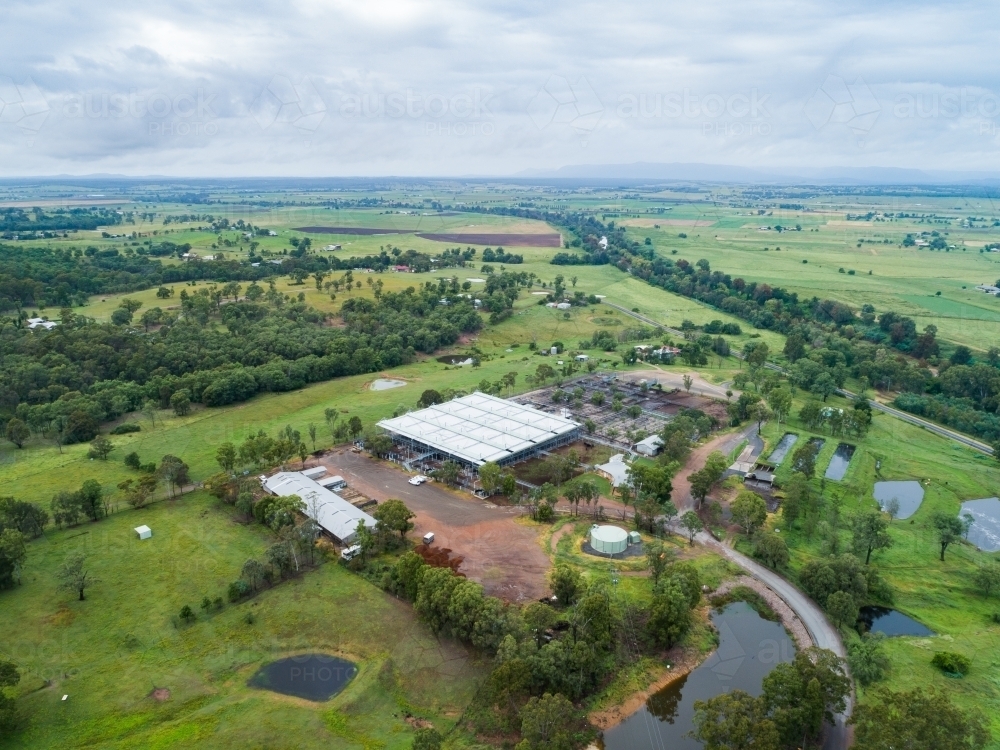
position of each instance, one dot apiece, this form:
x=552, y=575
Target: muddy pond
x=749, y=648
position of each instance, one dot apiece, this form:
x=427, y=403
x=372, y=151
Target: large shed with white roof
x=479, y=428
x=334, y=514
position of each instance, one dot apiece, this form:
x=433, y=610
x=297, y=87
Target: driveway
x=505, y=556
x=696, y=461
x=669, y=379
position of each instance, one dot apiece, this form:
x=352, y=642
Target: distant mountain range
x=726, y=173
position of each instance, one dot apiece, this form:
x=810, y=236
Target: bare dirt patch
x=497, y=551
x=159, y=694
x=504, y=240
x=62, y=616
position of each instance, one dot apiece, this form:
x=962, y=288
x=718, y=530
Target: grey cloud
x=315, y=87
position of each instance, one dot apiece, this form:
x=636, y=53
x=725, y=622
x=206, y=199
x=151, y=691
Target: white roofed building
x=334, y=514
x=615, y=470
x=650, y=446
x=478, y=428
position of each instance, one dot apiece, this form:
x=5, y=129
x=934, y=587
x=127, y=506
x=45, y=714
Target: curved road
x=822, y=632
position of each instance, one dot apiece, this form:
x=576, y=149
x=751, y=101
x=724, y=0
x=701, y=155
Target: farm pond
x=891, y=622
x=840, y=461
x=781, y=449
x=749, y=648
x=909, y=494
x=315, y=677
x=985, y=531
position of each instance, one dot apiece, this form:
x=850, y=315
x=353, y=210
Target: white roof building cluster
x=479, y=428
x=333, y=513
x=34, y=323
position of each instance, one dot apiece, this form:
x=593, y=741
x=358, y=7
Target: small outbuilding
x=144, y=532
x=650, y=446
x=608, y=540
x=335, y=483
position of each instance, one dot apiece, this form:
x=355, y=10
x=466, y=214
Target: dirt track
x=724, y=443
x=506, y=557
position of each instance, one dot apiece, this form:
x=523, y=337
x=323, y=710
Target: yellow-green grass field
x=109, y=652
x=904, y=279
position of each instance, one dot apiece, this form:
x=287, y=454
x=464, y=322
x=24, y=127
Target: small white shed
x=144, y=532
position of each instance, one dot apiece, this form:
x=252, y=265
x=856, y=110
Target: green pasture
x=110, y=652
x=941, y=595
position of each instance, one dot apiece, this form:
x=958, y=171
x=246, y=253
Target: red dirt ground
x=506, y=557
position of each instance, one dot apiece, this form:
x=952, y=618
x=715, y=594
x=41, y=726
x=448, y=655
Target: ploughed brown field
x=503, y=240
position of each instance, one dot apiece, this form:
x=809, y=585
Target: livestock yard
x=623, y=411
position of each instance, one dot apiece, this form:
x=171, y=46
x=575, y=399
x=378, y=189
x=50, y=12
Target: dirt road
x=668, y=379
x=506, y=557
x=725, y=443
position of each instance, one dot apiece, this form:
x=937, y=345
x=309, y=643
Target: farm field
x=127, y=625
x=110, y=652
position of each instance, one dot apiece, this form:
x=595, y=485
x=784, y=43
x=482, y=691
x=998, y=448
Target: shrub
x=187, y=614
x=132, y=461
x=427, y=738
x=125, y=428
x=951, y=663
x=238, y=589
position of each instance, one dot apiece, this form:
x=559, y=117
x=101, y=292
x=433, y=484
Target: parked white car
x=351, y=552
x=418, y=480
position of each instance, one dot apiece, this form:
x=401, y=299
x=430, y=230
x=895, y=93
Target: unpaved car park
x=506, y=557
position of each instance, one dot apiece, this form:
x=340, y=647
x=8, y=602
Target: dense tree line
x=543, y=650
x=37, y=220
x=66, y=381
x=66, y=277
x=53, y=277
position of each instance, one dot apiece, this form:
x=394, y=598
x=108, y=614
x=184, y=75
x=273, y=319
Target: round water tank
x=608, y=540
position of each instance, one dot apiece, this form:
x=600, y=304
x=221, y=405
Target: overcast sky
x=376, y=87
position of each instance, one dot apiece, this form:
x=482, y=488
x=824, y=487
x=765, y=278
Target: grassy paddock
x=938, y=594
x=109, y=652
